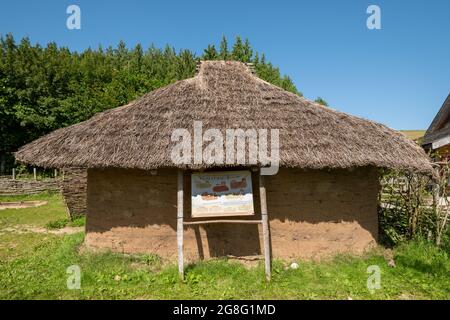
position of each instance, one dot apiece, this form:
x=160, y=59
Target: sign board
x=222, y=194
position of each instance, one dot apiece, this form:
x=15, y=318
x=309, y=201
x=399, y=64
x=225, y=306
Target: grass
x=36, y=216
x=413, y=134
x=33, y=266
x=65, y=222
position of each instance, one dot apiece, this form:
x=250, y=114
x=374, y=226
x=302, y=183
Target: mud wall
x=312, y=214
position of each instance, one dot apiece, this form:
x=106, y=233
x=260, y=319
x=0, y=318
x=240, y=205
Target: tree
x=136, y=60
x=210, y=53
x=247, y=51
x=237, y=53
x=46, y=88
x=321, y=101
x=256, y=59
x=223, y=54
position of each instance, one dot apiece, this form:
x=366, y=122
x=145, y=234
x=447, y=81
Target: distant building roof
x=438, y=134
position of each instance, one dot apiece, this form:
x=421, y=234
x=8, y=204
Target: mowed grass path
x=33, y=266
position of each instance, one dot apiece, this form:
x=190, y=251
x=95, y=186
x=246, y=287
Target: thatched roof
x=224, y=95
x=440, y=126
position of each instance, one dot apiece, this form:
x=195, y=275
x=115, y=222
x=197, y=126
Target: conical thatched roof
x=224, y=95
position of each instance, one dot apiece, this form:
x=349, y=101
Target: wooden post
x=34, y=174
x=56, y=173
x=14, y=173
x=265, y=226
x=180, y=223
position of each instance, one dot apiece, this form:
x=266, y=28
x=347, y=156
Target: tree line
x=43, y=88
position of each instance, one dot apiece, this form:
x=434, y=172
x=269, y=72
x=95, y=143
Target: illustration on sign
x=227, y=193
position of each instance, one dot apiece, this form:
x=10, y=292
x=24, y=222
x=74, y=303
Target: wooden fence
x=12, y=187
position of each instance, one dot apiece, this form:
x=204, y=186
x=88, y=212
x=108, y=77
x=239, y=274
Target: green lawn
x=38, y=216
x=33, y=266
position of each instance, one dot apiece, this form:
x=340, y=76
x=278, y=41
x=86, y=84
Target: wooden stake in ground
x=265, y=227
x=180, y=224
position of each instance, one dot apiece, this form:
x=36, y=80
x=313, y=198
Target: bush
x=403, y=206
x=57, y=224
x=78, y=222
x=413, y=206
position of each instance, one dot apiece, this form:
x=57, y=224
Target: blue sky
x=399, y=75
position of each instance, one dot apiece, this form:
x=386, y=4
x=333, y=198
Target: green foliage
x=57, y=224
x=210, y=53
x=65, y=222
x=402, y=210
x=423, y=256
x=33, y=266
x=268, y=72
x=242, y=51
x=78, y=222
x=321, y=101
x=223, y=53
x=151, y=259
x=420, y=273
x=410, y=206
x=46, y=88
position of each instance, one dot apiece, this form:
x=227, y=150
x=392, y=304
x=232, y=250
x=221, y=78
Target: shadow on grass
x=423, y=257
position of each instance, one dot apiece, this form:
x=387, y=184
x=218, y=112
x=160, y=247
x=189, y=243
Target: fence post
x=265, y=227
x=14, y=173
x=56, y=173
x=180, y=218
x=34, y=174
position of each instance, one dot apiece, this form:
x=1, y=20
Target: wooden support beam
x=222, y=221
x=265, y=227
x=180, y=223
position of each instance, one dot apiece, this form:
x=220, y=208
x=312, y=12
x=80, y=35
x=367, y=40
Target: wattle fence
x=10, y=187
x=74, y=191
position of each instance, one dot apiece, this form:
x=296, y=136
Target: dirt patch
x=21, y=204
x=21, y=229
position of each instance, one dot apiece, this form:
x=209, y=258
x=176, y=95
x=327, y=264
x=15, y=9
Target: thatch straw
x=224, y=95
